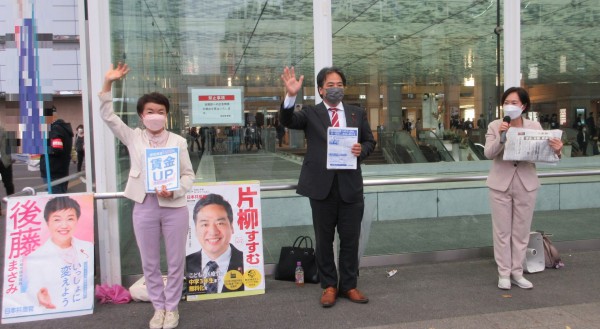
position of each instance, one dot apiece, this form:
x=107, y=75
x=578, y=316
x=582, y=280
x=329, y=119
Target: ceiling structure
x=384, y=42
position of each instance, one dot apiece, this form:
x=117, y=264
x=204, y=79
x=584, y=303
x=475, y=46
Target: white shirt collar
x=222, y=261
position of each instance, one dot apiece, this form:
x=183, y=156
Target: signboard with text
x=217, y=106
x=49, y=257
x=224, y=246
x=162, y=169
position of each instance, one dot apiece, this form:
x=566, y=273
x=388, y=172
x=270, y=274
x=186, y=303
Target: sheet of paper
x=162, y=168
x=339, y=148
x=530, y=145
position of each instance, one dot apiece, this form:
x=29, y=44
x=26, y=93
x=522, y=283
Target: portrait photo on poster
x=224, y=251
x=50, y=252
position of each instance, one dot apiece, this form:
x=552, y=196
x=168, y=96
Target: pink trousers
x=512, y=213
x=150, y=221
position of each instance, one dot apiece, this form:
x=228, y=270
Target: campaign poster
x=224, y=247
x=49, y=257
x=162, y=169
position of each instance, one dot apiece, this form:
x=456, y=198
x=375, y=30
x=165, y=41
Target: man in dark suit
x=213, y=219
x=336, y=196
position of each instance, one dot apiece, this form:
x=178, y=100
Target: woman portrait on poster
x=58, y=272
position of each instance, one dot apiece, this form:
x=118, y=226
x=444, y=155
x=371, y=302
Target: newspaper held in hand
x=339, y=148
x=530, y=145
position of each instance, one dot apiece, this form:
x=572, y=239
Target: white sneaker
x=171, y=320
x=522, y=283
x=157, y=320
x=504, y=283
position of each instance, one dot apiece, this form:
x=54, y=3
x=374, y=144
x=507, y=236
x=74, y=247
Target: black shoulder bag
x=285, y=269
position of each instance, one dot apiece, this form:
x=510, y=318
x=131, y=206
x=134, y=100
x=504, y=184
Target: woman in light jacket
x=513, y=191
x=154, y=214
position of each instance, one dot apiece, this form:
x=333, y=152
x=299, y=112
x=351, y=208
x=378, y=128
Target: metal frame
x=384, y=260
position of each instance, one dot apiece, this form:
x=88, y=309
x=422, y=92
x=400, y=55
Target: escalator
x=401, y=147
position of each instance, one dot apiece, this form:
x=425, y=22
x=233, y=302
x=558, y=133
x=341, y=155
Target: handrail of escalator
x=478, y=152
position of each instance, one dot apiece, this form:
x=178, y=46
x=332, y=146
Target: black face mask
x=334, y=95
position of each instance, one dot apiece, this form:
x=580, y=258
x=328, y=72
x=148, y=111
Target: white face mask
x=512, y=111
x=154, y=122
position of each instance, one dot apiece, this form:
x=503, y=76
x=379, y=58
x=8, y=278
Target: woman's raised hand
x=116, y=73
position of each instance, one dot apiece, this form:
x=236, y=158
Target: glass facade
x=437, y=65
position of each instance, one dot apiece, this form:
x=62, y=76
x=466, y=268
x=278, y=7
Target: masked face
x=513, y=111
x=334, y=95
x=154, y=122
x=332, y=89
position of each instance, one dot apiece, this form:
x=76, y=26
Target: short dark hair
x=326, y=71
x=154, y=97
x=523, y=96
x=213, y=199
x=61, y=203
x=49, y=111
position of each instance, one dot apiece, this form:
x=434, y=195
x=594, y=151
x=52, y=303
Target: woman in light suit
x=163, y=212
x=513, y=191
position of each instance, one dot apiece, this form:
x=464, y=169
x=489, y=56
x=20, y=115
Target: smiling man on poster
x=218, y=260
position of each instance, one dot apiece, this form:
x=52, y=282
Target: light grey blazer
x=502, y=172
x=137, y=142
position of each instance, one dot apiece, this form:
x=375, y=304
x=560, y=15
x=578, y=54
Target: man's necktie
x=335, y=121
x=212, y=278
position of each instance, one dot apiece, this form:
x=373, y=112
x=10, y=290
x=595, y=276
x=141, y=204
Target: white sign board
x=217, y=106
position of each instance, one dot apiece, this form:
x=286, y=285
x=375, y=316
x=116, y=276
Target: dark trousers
x=80, y=155
x=584, y=147
x=7, y=178
x=194, y=140
x=328, y=214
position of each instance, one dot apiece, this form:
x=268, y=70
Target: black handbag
x=286, y=268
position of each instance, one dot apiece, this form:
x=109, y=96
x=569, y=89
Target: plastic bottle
x=299, y=274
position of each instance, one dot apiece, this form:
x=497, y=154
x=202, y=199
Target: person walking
x=336, y=196
x=6, y=168
x=79, y=146
x=513, y=187
x=194, y=138
x=159, y=213
x=60, y=146
x=280, y=130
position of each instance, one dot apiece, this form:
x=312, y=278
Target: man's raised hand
x=292, y=85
